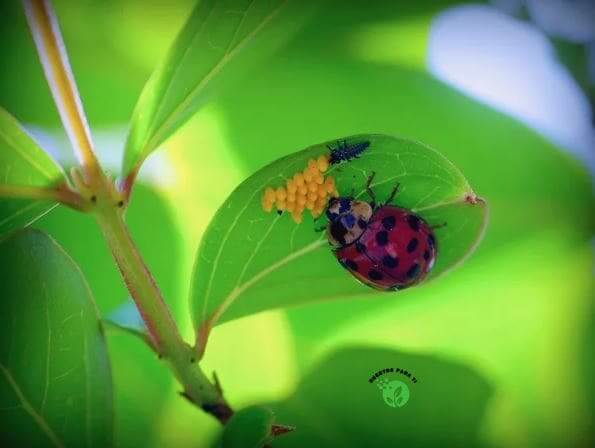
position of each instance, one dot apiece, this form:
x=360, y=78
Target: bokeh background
x=504, y=345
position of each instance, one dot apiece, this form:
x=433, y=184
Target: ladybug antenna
x=393, y=193
x=369, y=189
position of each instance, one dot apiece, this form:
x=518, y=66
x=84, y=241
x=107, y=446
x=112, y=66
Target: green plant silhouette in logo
x=394, y=392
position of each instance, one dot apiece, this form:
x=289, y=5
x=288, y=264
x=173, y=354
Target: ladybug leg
x=369, y=189
x=392, y=194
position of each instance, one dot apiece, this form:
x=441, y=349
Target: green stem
x=160, y=324
x=107, y=204
x=61, y=193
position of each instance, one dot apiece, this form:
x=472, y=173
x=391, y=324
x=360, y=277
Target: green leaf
x=55, y=380
x=22, y=164
x=248, y=428
x=250, y=260
x=214, y=33
x=334, y=404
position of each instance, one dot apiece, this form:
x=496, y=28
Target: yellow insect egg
x=329, y=183
x=307, y=175
x=269, y=194
x=290, y=206
x=290, y=197
x=291, y=186
x=298, y=178
x=281, y=194
x=312, y=187
x=310, y=204
x=322, y=163
x=319, y=179
x=312, y=165
x=301, y=201
x=322, y=193
x=267, y=205
x=296, y=216
x=312, y=196
x=281, y=205
x=303, y=189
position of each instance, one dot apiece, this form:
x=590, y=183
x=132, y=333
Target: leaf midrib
x=212, y=72
x=239, y=289
x=8, y=141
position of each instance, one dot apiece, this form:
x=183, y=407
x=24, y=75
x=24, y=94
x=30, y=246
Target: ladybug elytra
x=385, y=247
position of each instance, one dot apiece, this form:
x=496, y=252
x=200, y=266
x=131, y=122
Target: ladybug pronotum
x=385, y=247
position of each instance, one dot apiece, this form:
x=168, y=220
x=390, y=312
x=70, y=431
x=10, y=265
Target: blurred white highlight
x=109, y=148
x=511, y=65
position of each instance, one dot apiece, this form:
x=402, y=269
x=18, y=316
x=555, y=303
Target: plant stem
x=61, y=193
x=52, y=53
x=107, y=204
x=160, y=324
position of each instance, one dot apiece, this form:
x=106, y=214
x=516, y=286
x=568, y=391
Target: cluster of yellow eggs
x=306, y=190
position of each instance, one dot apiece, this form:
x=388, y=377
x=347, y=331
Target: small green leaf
x=248, y=428
x=22, y=164
x=250, y=260
x=214, y=33
x=55, y=379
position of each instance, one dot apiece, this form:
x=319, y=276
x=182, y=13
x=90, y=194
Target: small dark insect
x=347, y=151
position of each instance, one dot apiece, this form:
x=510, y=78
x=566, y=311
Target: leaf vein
x=37, y=418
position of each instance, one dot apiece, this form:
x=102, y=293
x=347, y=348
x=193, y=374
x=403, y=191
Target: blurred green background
x=503, y=345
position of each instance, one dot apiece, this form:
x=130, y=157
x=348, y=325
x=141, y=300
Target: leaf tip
x=473, y=199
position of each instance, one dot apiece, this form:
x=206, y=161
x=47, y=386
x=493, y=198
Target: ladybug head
x=347, y=220
x=338, y=207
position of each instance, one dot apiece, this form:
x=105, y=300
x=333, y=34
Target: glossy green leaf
x=250, y=260
x=55, y=380
x=248, y=428
x=22, y=164
x=214, y=33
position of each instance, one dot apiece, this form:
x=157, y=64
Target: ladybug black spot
x=338, y=231
x=362, y=224
x=388, y=222
x=426, y=255
x=431, y=240
x=390, y=262
x=344, y=205
x=412, y=245
x=360, y=247
x=382, y=238
x=374, y=274
x=350, y=264
x=413, y=271
x=413, y=222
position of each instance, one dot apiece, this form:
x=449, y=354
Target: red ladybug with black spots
x=385, y=247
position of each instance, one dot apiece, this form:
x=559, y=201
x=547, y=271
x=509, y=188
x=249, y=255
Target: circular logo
x=394, y=392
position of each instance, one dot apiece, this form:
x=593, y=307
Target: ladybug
x=385, y=247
